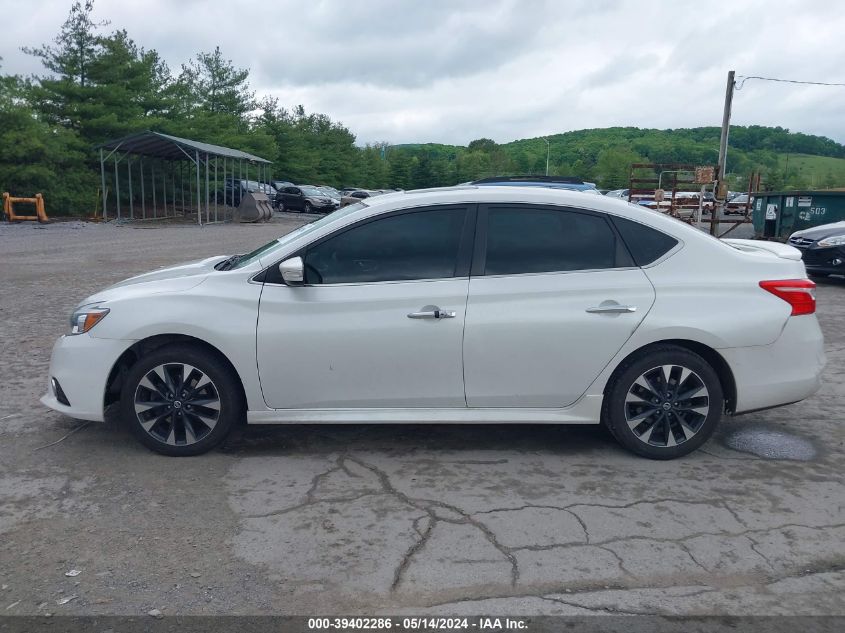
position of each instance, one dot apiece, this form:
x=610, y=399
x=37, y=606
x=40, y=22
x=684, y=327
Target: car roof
x=509, y=193
x=373, y=207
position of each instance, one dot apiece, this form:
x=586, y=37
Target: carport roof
x=169, y=147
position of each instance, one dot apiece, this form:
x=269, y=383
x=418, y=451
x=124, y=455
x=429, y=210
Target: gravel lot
x=410, y=519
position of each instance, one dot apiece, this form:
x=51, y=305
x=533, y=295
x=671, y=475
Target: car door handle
x=432, y=312
x=611, y=309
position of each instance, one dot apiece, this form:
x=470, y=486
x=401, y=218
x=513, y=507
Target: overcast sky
x=451, y=71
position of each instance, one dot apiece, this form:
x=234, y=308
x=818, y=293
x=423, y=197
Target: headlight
x=833, y=240
x=85, y=318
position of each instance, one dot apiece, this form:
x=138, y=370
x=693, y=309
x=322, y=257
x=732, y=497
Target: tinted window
x=535, y=240
x=645, y=243
x=418, y=245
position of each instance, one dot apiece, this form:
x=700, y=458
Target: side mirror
x=293, y=270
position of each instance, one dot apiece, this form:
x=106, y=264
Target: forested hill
x=603, y=154
x=745, y=138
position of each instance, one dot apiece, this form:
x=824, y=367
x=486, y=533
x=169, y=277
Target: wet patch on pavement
x=770, y=443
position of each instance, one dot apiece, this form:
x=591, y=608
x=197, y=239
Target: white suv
x=463, y=305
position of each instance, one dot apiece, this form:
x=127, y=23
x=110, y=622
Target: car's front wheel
x=181, y=400
x=308, y=208
x=663, y=404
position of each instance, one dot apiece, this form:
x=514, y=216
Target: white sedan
x=462, y=305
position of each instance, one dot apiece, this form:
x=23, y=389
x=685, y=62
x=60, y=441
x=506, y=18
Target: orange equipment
x=9, y=209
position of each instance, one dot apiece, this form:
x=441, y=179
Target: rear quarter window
x=645, y=244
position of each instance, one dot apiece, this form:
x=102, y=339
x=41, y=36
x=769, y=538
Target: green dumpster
x=778, y=214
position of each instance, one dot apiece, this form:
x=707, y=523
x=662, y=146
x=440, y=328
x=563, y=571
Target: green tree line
x=99, y=84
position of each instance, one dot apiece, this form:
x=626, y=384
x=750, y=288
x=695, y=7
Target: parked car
x=306, y=199
x=457, y=305
x=356, y=196
x=234, y=188
x=822, y=249
x=618, y=193
x=738, y=204
x=331, y=192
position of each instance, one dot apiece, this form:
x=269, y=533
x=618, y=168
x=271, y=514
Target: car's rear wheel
x=663, y=404
x=181, y=400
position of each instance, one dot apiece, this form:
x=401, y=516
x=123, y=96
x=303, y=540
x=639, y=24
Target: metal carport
x=160, y=189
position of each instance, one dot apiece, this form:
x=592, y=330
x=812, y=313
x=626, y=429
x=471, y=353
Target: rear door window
x=526, y=239
x=646, y=244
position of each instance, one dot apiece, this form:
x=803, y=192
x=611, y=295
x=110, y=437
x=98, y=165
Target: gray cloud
x=451, y=71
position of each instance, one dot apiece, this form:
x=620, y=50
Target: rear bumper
x=81, y=364
x=784, y=372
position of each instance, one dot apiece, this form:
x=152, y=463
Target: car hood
x=169, y=279
x=819, y=232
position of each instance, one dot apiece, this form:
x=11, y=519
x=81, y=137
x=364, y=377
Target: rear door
x=292, y=198
x=554, y=294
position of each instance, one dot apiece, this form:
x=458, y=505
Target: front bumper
x=830, y=260
x=324, y=208
x=81, y=364
x=784, y=372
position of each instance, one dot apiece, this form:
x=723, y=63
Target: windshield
x=311, y=191
x=330, y=191
x=245, y=260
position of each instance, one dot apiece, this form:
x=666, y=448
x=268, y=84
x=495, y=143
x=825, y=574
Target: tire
x=670, y=427
x=193, y=424
x=307, y=208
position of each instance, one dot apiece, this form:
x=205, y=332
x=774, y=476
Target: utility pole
x=721, y=188
x=548, y=151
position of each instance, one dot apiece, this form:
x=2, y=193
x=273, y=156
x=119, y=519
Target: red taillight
x=796, y=292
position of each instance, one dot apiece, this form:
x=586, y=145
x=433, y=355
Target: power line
x=786, y=81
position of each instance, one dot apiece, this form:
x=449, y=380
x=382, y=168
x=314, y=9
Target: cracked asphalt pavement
x=393, y=519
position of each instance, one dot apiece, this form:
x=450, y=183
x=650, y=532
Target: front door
x=379, y=320
x=553, y=297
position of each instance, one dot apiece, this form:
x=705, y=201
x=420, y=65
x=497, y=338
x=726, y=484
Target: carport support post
x=153, y=185
x=116, y=187
x=199, y=204
x=215, y=187
x=172, y=171
x=103, y=183
x=207, y=214
x=143, y=197
x=182, y=184
x=164, y=187
x=173, y=184
x=131, y=202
